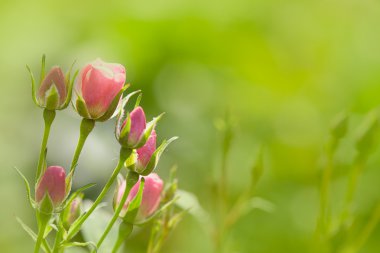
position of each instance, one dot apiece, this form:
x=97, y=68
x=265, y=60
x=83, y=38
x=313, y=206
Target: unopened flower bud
x=151, y=196
x=72, y=211
x=53, y=91
x=99, y=89
x=52, y=184
x=145, y=153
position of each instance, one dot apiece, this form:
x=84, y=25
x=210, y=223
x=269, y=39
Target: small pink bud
x=99, y=83
x=53, y=183
x=72, y=211
x=138, y=125
x=55, y=79
x=145, y=152
x=151, y=195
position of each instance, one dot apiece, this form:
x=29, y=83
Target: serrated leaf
x=156, y=156
x=27, y=186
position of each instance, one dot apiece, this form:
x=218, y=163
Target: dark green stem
x=124, y=154
x=131, y=180
x=48, y=119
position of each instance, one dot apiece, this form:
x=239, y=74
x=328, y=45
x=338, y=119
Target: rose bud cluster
x=151, y=196
x=52, y=186
x=99, y=89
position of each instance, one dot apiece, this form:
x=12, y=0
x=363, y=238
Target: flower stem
x=124, y=154
x=132, y=179
x=86, y=126
x=125, y=230
x=43, y=221
x=49, y=116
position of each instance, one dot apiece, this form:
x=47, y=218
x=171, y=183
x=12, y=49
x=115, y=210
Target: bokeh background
x=283, y=69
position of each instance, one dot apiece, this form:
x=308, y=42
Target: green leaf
x=257, y=169
x=339, y=126
x=27, y=186
x=156, y=156
x=134, y=205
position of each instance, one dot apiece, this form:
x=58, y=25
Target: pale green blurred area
x=283, y=69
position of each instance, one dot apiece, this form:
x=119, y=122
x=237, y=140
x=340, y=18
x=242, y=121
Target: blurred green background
x=283, y=69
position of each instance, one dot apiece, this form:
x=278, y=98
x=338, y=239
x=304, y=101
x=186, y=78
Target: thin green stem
x=49, y=117
x=125, y=229
x=86, y=126
x=41, y=231
x=131, y=180
x=58, y=237
x=124, y=154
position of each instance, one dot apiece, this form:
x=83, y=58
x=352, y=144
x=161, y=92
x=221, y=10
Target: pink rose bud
x=72, y=211
x=137, y=127
x=53, y=91
x=99, y=88
x=150, y=199
x=145, y=152
x=52, y=183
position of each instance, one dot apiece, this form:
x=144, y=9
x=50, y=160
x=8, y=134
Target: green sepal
x=74, y=195
x=339, y=126
x=46, y=206
x=27, y=229
x=27, y=186
x=134, y=205
x=138, y=100
x=43, y=61
x=156, y=156
x=81, y=107
x=176, y=218
x=123, y=135
x=51, y=98
x=34, y=96
x=80, y=244
x=70, y=85
x=148, y=130
x=120, y=108
x=157, y=213
x=111, y=109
